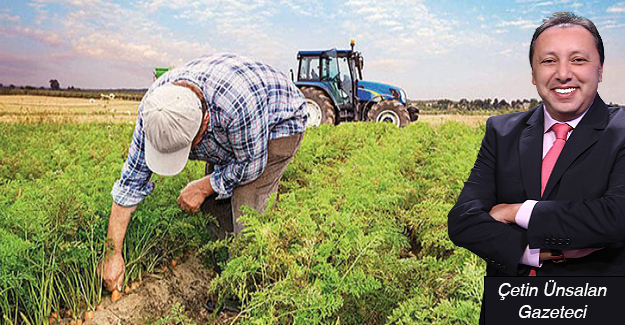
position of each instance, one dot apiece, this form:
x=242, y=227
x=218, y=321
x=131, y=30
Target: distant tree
x=463, y=103
x=534, y=102
x=445, y=104
x=1, y=85
x=54, y=84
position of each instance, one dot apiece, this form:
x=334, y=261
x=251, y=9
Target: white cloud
x=77, y=3
x=35, y=34
x=154, y=5
x=41, y=12
x=105, y=31
x=6, y=15
x=506, y=52
x=411, y=30
x=250, y=27
x=521, y=23
x=616, y=9
x=544, y=3
x=303, y=7
x=113, y=47
x=613, y=25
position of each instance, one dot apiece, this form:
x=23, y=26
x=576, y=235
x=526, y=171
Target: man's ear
x=600, y=73
x=534, y=79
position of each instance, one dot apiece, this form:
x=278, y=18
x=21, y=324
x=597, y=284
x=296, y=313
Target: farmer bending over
x=244, y=118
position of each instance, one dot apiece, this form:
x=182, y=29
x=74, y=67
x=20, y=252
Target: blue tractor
x=332, y=83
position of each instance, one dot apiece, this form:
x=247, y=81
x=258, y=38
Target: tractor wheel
x=389, y=111
x=318, y=107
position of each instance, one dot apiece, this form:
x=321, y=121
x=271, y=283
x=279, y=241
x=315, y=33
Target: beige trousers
x=255, y=193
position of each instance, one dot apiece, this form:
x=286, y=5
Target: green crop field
x=356, y=235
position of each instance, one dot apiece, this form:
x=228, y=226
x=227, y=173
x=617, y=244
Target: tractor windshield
x=330, y=67
x=309, y=68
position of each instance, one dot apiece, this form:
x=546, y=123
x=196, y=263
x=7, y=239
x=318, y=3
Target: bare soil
x=186, y=284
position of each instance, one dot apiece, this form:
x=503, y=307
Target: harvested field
x=37, y=109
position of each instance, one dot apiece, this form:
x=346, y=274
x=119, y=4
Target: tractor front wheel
x=318, y=107
x=389, y=111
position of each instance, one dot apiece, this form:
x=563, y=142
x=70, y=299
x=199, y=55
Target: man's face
x=566, y=70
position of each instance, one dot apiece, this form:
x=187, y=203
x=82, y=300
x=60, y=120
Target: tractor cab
x=335, y=71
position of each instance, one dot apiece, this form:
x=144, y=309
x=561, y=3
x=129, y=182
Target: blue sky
x=433, y=49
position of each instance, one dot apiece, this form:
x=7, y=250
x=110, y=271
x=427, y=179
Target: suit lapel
x=530, y=153
x=587, y=133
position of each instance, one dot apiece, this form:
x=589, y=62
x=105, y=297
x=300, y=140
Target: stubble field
x=36, y=109
x=356, y=235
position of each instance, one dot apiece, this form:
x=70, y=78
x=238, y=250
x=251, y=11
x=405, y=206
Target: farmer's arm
x=131, y=188
x=114, y=266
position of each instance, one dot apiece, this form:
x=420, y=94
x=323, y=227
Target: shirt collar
x=550, y=121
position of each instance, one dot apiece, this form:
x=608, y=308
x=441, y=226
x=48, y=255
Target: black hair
x=567, y=19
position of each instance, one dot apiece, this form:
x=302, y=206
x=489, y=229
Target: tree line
x=124, y=94
x=478, y=105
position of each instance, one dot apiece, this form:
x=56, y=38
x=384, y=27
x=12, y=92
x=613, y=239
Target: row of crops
x=356, y=235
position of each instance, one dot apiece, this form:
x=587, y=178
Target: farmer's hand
x=113, y=269
x=194, y=194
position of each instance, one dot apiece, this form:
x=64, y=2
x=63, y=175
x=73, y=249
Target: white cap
x=172, y=116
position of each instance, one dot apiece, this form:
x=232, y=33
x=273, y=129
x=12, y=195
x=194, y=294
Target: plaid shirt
x=249, y=104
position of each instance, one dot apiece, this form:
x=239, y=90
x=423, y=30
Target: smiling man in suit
x=546, y=195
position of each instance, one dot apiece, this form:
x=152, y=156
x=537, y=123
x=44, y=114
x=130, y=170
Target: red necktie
x=561, y=130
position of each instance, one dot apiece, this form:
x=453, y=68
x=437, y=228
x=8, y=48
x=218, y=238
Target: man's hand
x=194, y=194
x=545, y=255
x=113, y=269
x=505, y=213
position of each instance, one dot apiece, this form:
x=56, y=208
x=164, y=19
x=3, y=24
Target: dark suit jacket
x=583, y=204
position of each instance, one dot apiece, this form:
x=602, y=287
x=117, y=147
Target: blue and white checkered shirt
x=249, y=104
